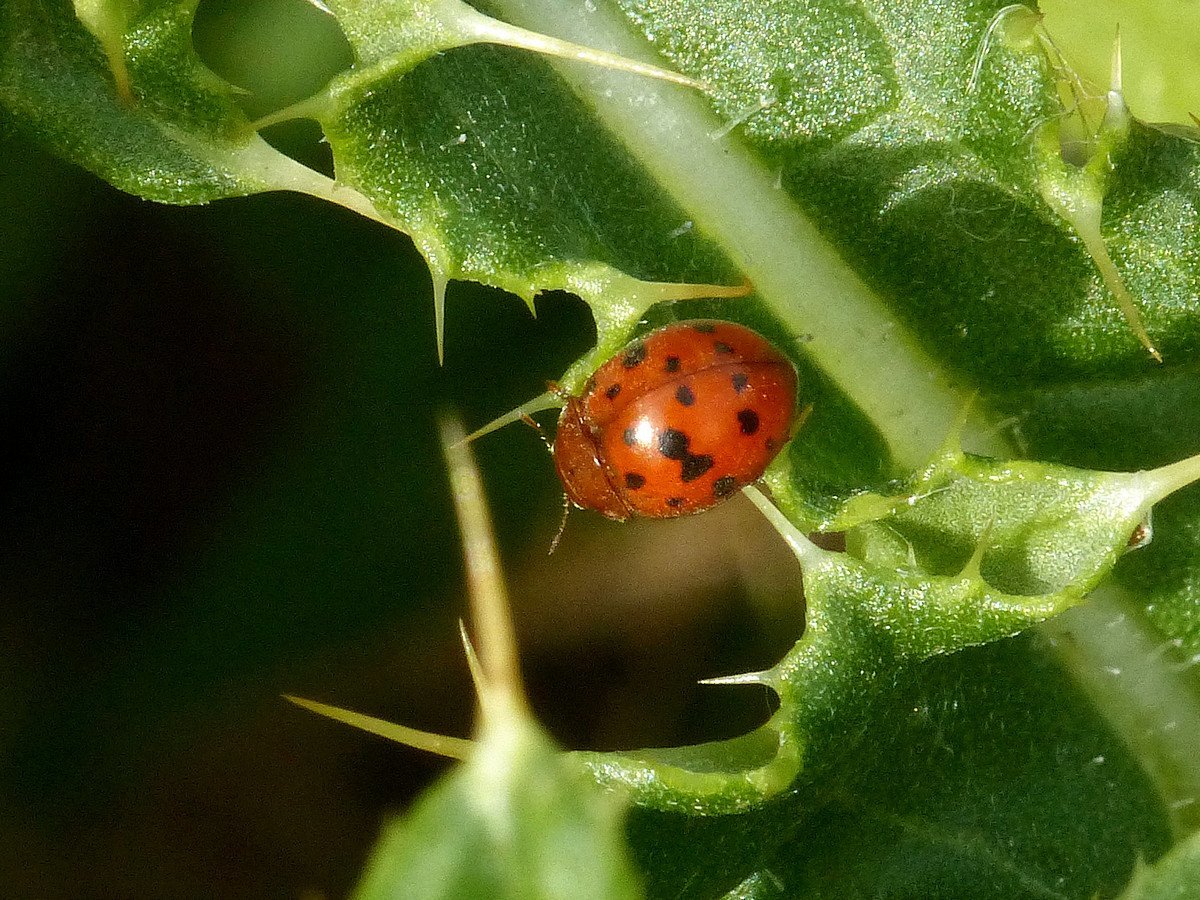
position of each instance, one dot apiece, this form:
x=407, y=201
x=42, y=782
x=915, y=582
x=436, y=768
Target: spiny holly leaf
x=559, y=187
x=977, y=550
x=934, y=801
x=116, y=86
x=496, y=167
x=130, y=100
x=517, y=819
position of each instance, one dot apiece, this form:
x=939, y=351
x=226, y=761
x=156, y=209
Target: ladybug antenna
x=541, y=432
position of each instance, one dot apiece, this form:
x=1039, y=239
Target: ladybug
x=676, y=422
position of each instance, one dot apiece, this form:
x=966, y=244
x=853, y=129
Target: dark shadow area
x=224, y=484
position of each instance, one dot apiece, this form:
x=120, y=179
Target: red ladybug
x=676, y=422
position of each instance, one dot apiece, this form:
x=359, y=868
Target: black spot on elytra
x=695, y=466
x=684, y=395
x=705, y=327
x=748, y=419
x=722, y=347
x=612, y=391
x=673, y=444
x=634, y=356
x=628, y=437
x=674, y=502
x=724, y=486
x=633, y=480
x=740, y=381
x=672, y=364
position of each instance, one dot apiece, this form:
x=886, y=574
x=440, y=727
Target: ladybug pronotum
x=676, y=422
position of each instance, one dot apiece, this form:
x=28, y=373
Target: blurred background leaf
x=1160, y=40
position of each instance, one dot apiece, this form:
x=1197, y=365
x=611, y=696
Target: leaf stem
x=1149, y=702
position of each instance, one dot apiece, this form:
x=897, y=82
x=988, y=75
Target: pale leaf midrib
x=732, y=198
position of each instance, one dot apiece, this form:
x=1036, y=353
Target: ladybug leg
x=562, y=524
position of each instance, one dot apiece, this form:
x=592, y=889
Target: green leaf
x=1174, y=877
x=992, y=785
x=974, y=551
x=117, y=88
x=457, y=151
x=517, y=819
x=176, y=136
x=984, y=774
x=929, y=204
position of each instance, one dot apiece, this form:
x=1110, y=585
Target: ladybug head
x=584, y=477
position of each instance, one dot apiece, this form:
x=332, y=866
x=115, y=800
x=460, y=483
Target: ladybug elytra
x=676, y=422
